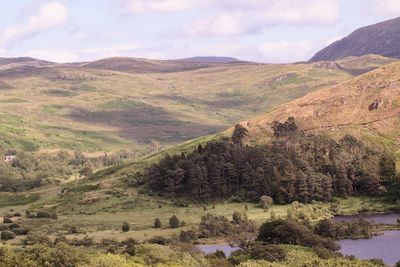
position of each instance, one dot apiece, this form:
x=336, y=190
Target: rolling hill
x=380, y=39
x=366, y=106
x=108, y=105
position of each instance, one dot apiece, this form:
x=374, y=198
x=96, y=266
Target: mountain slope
x=73, y=106
x=367, y=107
x=381, y=39
x=140, y=65
x=212, y=59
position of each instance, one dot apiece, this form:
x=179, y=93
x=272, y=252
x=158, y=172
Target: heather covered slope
x=47, y=106
x=367, y=107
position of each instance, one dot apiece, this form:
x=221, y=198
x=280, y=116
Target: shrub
x=7, y=235
x=259, y=251
x=17, y=214
x=54, y=216
x=293, y=233
x=43, y=214
x=13, y=225
x=73, y=230
x=187, y=236
x=20, y=231
x=237, y=217
x=157, y=223
x=158, y=240
x=3, y=227
x=266, y=202
x=37, y=238
x=174, y=222
x=219, y=254
x=125, y=227
x=7, y=220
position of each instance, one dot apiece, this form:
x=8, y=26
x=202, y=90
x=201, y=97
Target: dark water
x=385, y=247
x=207, y=249
x=389, y=218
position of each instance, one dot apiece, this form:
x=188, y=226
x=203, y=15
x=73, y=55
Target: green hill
x=110, y=105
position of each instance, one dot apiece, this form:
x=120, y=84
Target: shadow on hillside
x=145, y=122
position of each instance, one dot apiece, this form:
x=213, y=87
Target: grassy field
x=98, y=209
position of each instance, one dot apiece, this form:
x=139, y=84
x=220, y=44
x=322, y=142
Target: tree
x=174, y=222
x=266, y=202
x=239, y=134
x=157, y=223
x=125, y=227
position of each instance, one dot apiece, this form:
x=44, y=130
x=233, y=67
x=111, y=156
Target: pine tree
x=302, y=187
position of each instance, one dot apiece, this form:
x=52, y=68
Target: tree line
x=295, y=166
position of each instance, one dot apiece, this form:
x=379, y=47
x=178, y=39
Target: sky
x=275, y=31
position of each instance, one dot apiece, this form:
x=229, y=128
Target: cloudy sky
x=259, y=30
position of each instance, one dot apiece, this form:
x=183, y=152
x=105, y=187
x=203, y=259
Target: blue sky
x=259, y=30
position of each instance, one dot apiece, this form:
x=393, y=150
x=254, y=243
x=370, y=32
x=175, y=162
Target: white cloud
x=49, y=15
x=157, y=6
x=385, y=7
x=285, y=51
x=243, y=17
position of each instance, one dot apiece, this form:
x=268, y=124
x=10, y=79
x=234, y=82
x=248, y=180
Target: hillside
x=381, y=39
x=367, y=107
x=140, y=65
x=84, y=107
x=212, y=59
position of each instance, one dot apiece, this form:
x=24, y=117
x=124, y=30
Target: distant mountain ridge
x=211, y=59
x=380, y=39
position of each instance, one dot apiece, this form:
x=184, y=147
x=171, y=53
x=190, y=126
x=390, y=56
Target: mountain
x=140, y=65
x=24, y=60
x=381, y=39
x=144, y=105
x=366, y=107
x=211, y=59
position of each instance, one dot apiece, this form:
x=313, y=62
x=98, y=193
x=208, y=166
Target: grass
x=14, y=199
x=52, y=109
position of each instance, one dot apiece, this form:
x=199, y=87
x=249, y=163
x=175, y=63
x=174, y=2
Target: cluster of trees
x=344, y=229
x=295, y=166
x=31, y=170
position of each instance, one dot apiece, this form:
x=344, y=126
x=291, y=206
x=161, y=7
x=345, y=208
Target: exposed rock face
x=379, y=39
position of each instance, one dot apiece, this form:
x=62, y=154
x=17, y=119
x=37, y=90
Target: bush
x=174, y=222
x=54, y=216
x=7, y=235
x=17, y=214
x=266, y=202
x=73, y=230
x=157, y=223
x=259, y=251
x=37, y=238
x=7, y=220
x=44, y=214
x=187, y=236
x=158, y=240
x=293, y=233
x=125, y=227
x=20, y=231
x=3, y=227
x=13, y=226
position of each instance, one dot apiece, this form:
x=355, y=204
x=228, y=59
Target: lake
x=385, y=247
x=208, y=249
